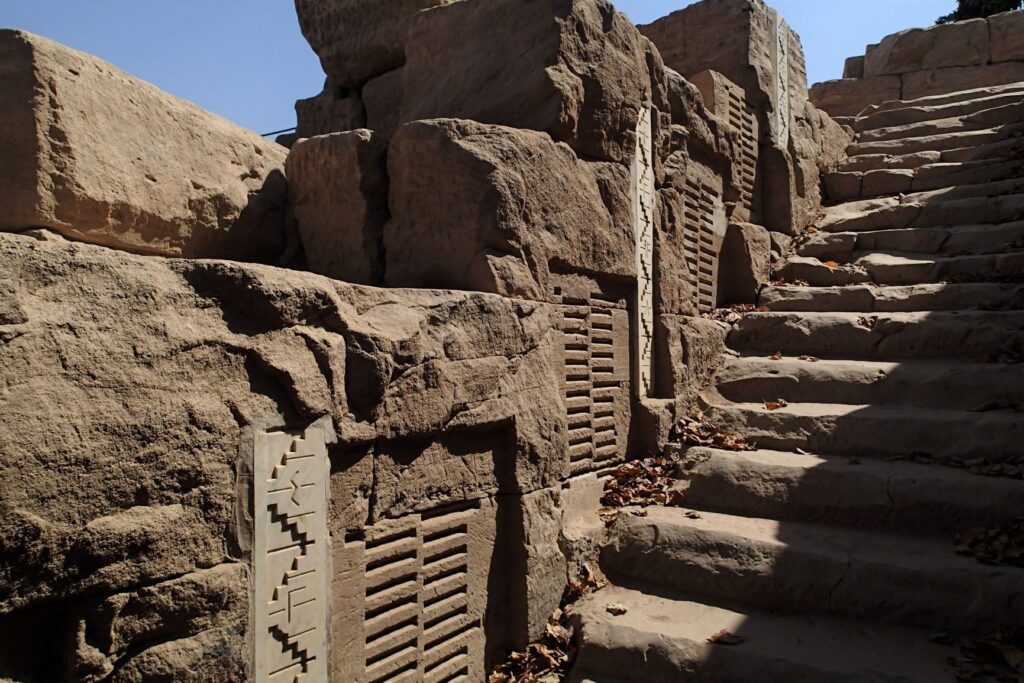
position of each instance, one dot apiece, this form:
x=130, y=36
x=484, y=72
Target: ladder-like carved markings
x=702, y=239
x=741, y=118
x=290, y=557
x=593, y=383
x=419, y=623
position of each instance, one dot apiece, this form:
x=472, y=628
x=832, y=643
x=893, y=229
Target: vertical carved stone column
x=291, y=558
x=780, y=58
x=643, y=218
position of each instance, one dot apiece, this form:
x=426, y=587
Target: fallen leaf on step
x=616, y=609
x=724, y=637
x=638, y=513
x=865, y=321
x=777, y=355
x=697, y=431
x=775, y=405
x=809, y=359
x=690, y=514
x=811, y=229
x=998, y=545
x=830, y=264
x=994, y=657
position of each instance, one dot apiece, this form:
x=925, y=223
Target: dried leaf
x=724, y=637
x=776, y=405
x=830, y=264
x=999, y=545
x=690, y=514
x=616, y=609
x=811, y=229
x=777, y=355
x=867, y=321
x=809, y=359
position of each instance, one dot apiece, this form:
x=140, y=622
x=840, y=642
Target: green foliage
x=971, y=9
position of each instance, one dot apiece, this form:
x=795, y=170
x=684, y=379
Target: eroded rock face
x=338, y=193
x=102, y=157
x=494, y=209
x=576, y=69
x=358, y=39
x=117, y=481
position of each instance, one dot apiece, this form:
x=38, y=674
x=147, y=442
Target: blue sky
x=246, y=60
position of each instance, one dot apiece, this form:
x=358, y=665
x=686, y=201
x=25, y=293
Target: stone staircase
x=895, y=338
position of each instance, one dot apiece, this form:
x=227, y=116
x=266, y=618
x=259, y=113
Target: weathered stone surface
x=102, y=157
x=854, y=67
x=745, y=263
x=963, y=43
x=332, y=111
x=338, y=195
x=957, y=78
x=383, y=98
x=689, y=352
x=358, y=39
x=576, y=69
x=1007, y=36
x=494, y=209
x=849, y=96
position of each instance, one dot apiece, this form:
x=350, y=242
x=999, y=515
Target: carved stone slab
x=780, y=55
x=643, y=218
x=291, y=560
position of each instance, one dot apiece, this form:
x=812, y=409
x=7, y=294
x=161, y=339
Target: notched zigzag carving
x=291, y=561
x=643, y=218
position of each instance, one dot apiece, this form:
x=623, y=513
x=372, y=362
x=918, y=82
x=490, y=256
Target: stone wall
x=915, y=63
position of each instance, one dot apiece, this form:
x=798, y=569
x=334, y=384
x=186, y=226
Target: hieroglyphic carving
x=643, y=225
x=704, y=231
x=780, y=60
x=593, y=378
x=291, y=561
x=418, y=611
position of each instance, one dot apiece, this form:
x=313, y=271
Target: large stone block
x=358, y=39
x=957, y=78
x=963, y=43
x=332, y=111
x=689, y=352
x=383, y=98
x=854, y=67
x=495, y=209
x=338, y=194
x=745, y=264
x=576, y=69
x=1007, y=35
x=102, y=157
x=849, y=96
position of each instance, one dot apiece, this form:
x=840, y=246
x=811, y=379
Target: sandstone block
x=332, y=111
x=689, y=352
x=745, y=263
x=849, y=96
x=953, y=79
x=358, y=39
x=854, y=67
x=338, y=194
x=383, y=98
x=963, y=43
x=576, y=69
x=1007, y=33
x=102, y=157
x=494, y=209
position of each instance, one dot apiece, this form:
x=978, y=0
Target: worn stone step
x=852, y=185
x=999, y=115
x=920, y=112
x=875, y=430
x=898, y=268
x=664, y=640
x=876, y=495
x=946, y=98
x=989, y=204
x=925, y=383
x=881, y=336
x=908, y=298
x=950, y=241
x=1010, y=148
x=925, y=143
x=808, y=568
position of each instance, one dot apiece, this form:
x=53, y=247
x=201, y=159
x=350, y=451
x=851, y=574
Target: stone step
x=875, y=495
x=881, y=336
x=950, y=241
x=925, y=143
x=946, y=98
x=988, y=205
x=664, y=640
x=999, y=115
x=920, y=112
x=873, y=299
x=1010, y=148
x=925, y=384
x=875, y=430
x=851, y=185
x=809, y=568
x=899, y=268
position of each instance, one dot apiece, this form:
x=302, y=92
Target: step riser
x=933, y=112
x=967, y=387
x=853, y=186
x=889, y=214
x=1009, y=146
x=928, y=143
x=948, y=98
x=872, y=433
x=864, y=299
x=843, y=246
x=729, y=567
x=878, y=497
x=985, y=267
x=988, y=118
x=892, y=337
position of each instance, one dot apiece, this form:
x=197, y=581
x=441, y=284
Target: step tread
x=869, y=298
x=777, y=647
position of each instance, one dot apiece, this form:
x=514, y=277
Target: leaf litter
x=999, y=545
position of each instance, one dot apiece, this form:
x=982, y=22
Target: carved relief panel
x=705, y=224
x=781, y=96
x=643, y=190
x=291, y=560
